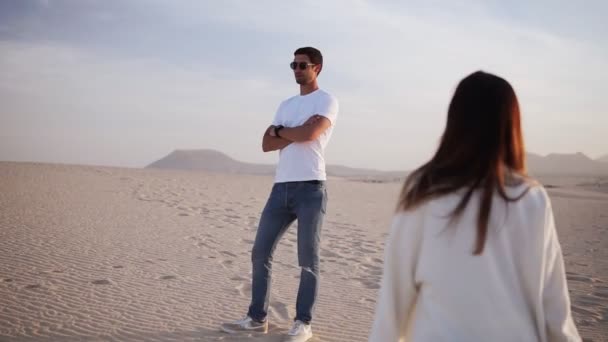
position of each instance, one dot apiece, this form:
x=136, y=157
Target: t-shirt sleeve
x=328, y=107
x=277, y=116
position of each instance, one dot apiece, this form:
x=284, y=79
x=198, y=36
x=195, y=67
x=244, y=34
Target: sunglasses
x=302, y=65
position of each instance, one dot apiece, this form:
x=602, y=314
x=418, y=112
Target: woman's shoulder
x=524, y=191
x=519, y=189
x=528, y=190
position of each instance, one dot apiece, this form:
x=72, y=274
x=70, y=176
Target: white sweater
x=435, y=289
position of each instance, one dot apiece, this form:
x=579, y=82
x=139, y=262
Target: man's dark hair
x=313, y=54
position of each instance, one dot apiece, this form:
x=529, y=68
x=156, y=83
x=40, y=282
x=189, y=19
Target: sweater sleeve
x=559, y=324
x=398, y=289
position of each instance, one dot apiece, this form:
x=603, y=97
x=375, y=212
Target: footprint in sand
x=587, y=313
x=33, y=286
x=329, y=254
x=226, y=263
x=167, y=277
x=118, y=266
x=357, y=244
x=354, y=260
x=367, y=250
x=363, y=300
x=601, y=291
x=591, y=308
x=372, y=270
x=243, y=289
x=202, y=244
x=278, y=311
x=286, y=265
x=206, y=242
x=101, y=282
x=372, y=284
x=7, y=280
x=571, y=276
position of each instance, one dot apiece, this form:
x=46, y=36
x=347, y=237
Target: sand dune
x=110, y=254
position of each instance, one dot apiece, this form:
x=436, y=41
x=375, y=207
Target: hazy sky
x=124, y=83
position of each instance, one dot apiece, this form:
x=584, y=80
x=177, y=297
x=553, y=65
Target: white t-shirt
x=302, y=161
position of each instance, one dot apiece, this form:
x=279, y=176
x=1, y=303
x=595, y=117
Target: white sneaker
x=299, y=332
x=246, y=324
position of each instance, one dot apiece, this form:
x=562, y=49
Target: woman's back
x=473, y=252
x=514, y=291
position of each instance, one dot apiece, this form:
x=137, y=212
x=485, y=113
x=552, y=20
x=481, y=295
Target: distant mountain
x=565, y=164
x=215, y=161
x=209, y=160
x=603, y=159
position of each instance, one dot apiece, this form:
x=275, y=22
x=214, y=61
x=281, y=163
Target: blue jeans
x=306, y=202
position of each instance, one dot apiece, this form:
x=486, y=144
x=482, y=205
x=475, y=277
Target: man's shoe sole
x=228, y=330
x=290, y=338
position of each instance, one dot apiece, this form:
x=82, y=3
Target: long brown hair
x=481, y=145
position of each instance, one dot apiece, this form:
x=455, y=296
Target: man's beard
x=302, y=81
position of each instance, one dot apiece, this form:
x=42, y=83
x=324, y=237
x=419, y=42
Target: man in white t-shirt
x=300, y=131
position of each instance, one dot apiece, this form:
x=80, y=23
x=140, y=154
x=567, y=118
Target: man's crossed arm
x=310, y=130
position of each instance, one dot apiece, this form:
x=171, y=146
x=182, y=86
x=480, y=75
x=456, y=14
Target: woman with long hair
x=472, y=253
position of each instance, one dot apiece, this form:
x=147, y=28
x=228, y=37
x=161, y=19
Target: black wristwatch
x=277, y=129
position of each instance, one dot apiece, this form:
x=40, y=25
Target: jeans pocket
x=312, y=197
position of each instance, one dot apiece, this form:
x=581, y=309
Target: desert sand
x=113, y=254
